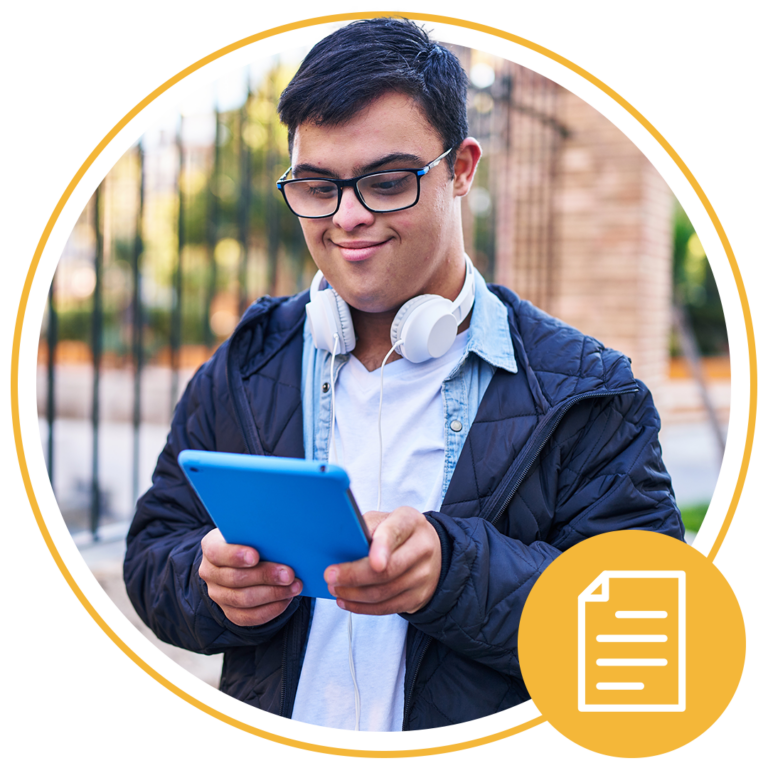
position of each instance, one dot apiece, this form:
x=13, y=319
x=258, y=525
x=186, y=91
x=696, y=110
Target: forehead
x=393, y=123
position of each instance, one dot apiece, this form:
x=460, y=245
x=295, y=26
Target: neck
x=372, y=337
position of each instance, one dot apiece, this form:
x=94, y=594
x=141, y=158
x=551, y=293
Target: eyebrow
x=404, y=159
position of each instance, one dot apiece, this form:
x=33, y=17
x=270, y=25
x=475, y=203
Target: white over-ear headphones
x=426, y=325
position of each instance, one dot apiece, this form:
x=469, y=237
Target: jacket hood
x=275, y=318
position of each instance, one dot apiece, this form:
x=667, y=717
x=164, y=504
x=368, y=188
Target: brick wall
x=583, y=224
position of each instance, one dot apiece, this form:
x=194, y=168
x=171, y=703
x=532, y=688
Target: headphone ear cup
x=346, y=329
x=329, y=314
x=426, y=326
x=396, y=328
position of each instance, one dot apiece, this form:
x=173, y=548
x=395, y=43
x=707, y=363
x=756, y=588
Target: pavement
x=690, y=453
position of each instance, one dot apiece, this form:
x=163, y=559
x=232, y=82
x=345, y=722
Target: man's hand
x=248, y=591
x=401, y=571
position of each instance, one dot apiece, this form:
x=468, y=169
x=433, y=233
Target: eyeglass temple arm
x=283, y=177
x=427, y=168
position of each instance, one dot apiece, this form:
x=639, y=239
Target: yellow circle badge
x=631, y=644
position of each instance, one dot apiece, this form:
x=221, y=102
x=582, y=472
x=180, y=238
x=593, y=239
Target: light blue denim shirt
x=488, y=347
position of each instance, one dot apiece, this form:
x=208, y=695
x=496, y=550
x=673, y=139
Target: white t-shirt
x=413, y=432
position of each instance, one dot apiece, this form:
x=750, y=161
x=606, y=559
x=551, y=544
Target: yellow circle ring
x=111, y=135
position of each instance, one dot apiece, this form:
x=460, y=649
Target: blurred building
x=583, y=222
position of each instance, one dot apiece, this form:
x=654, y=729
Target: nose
x=351, y=213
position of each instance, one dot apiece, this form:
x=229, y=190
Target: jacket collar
x=489, y=329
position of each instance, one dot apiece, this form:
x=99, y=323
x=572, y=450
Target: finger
x=413, y=566
x=378, y=593
x=360, y=573
x=252, y=597
x=393, y=532
x=218, y=552
x=410, y=568
x=373, y=520
x=406, y=585
x=390, y=534
x=253, y=617
x=393, y=597
x=408, y=594
x=264, y=573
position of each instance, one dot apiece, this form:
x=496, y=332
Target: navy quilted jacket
x=564, y=449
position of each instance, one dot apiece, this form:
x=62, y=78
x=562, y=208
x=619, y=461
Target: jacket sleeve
x=602, y=471
x=163, y=553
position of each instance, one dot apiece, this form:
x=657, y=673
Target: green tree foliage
x=695, y=288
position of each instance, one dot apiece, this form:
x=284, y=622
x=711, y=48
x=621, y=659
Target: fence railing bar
x=51, y=339
x=556, y=139
x=531, y=131
x=539, y=157
x=178, y=278
x=96, y=339
x=272, y=213
x=244, y=204
x=138, y=326
x=511, y=180
x=212, y=229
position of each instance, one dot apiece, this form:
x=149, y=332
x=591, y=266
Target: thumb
x=380, y=551
x=373, y=520
x=388, y=536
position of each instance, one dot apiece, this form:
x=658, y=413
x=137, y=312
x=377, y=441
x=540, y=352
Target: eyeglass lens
x=381, y=192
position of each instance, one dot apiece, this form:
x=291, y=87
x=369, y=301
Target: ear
x=468, y=156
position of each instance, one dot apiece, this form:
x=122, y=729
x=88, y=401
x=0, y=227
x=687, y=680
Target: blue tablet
x=296, y=512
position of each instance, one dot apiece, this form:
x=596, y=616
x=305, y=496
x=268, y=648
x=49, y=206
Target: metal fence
x=188, y=228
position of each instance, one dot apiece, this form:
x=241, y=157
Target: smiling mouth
x=359, y=250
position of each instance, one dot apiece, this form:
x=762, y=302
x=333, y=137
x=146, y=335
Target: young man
x=520, y=439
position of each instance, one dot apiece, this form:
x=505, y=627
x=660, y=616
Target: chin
x=370, y=302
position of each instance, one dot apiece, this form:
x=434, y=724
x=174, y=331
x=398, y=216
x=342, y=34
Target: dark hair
x=353, y=66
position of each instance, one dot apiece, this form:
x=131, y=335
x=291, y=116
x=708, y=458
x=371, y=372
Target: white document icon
x=632, y=642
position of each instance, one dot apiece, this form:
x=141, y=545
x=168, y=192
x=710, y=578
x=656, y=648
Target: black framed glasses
x=378, y=192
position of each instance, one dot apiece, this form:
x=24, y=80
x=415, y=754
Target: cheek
x=313, y=235
x=307, y=227
x=427, y=218
x=435, y=216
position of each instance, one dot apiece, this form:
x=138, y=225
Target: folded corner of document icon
x=632, y=642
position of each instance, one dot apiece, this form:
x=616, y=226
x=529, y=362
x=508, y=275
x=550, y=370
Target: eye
x=387, y=184
x=321, y=189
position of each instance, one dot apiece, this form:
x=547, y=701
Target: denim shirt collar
x=489, y=335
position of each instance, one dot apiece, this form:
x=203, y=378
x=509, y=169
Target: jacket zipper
x=409, y=696
x=555, y=419
x=284, y=684
x=238, y=399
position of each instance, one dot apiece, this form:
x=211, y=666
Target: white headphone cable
x=352, y=672
x=332, y=453
x=332, y=441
